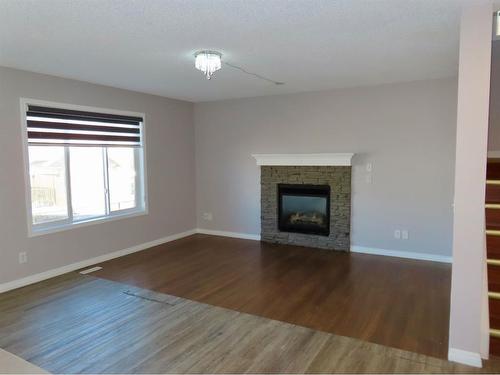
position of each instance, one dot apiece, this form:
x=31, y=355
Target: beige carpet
x=12, y=364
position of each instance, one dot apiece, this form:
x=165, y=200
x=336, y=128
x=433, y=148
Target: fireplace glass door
x=304, y=209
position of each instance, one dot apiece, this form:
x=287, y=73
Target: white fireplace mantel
x=337, y=159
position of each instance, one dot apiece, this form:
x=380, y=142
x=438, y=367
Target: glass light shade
x=208, y=62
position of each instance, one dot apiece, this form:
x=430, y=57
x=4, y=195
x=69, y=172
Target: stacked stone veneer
x=339, y=179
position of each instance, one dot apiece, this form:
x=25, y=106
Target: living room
x=316, y=205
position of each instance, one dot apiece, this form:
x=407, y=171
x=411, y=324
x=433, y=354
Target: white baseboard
x=465, y=357
x=89, y=262
x=245, y=236
x=256, y=237
x=354, y=249
x=401, y=254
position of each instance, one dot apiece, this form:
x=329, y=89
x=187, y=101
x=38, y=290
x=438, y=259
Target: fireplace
x=316, y=190
x=304, y=209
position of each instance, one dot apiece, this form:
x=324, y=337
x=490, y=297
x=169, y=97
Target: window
x=83, y=166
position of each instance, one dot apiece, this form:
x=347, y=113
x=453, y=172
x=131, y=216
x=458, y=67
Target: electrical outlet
x=369, y=167
x=23, y=257
x=397, y=234
x=404, y=234
x=208, y=216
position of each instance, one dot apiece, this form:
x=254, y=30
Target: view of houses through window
x=101, y=180
x=48, y=184
x=83, y=165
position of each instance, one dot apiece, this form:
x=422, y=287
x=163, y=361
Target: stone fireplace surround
x=312, y=169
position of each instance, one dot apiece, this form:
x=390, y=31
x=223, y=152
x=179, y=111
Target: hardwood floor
x=82, y=324
x=390, y=301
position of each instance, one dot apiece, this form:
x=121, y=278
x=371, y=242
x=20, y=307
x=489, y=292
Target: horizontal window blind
x=54, y=126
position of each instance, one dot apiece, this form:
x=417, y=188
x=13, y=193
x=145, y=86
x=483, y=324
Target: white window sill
x=35, y=231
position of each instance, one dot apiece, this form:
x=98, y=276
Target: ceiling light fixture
x=208, y=62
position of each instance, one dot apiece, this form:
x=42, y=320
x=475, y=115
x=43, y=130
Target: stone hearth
x=333, y=170
x=339, y=180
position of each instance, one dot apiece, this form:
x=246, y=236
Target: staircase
x=492, y=208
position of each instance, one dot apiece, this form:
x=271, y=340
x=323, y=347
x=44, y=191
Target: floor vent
x=89, y=270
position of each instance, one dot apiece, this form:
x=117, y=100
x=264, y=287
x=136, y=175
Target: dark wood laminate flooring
x=396, y=302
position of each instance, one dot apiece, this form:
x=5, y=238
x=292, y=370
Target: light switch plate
x=404, y=234
x=23, y=257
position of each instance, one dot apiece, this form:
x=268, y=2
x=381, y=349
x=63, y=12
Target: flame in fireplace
x=303, y=218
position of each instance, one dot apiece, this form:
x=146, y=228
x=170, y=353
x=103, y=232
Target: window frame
x=69, y=223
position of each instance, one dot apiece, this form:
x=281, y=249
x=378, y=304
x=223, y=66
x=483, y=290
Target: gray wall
x=170, y=163
x=406, y=130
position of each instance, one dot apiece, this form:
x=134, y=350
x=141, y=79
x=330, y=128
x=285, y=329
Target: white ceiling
x=148, y=45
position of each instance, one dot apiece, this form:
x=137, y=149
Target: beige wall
x=470, y=174
x=170, y=163
x=406, y=130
